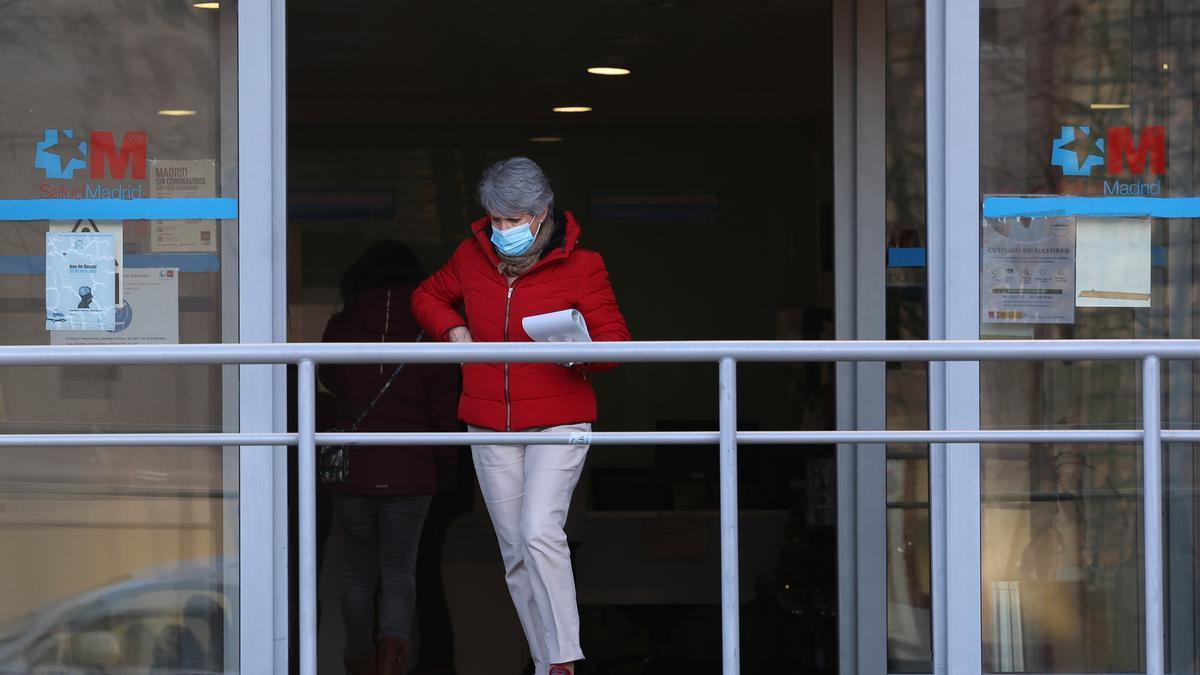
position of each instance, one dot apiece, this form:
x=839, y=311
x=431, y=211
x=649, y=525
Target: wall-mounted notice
x=1028, y=270
x=1113, y=262
x=80, y=274
x=149, y=315
x=170, y=178
x=114, y=227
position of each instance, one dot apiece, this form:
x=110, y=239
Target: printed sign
x=177, y=179
x=114, y=227
x=80, y=281
x=149, y=315
x=1028, y=270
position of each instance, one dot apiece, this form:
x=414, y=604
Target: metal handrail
x=726, y=354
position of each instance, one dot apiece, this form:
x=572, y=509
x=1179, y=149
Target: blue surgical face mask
x=514, y=241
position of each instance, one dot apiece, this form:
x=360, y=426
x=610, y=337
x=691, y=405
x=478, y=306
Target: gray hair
x=514, y=186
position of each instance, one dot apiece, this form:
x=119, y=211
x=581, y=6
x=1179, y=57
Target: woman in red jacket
x=523, y=260
x=382, y=507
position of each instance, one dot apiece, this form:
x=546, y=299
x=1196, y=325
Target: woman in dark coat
x=382, y=507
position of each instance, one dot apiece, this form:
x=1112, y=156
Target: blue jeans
x=381, y=536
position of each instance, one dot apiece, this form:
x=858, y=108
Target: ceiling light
x=176, y=113
x=608, y=70
x=1166, y=66
x=207, y=5
x=572, y=109
x=1110, y=106
x=545, y=139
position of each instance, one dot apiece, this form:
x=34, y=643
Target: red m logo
x=1121, y=150
x=102, y=149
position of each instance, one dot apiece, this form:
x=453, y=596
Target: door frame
x=262, y=318
x=953, y=200
x=859, y=59
x=859, y=73
x=952, y=164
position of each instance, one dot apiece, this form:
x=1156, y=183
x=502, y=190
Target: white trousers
x=527, y=489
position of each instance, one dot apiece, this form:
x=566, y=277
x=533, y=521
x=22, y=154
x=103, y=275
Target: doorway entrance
x=704, y=178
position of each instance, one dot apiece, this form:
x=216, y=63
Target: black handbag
x=333, y=461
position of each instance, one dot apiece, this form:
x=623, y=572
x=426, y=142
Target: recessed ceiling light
x=608, y=70
x=572, y=109
x=1110, y=106
x=177, y=113
x=207, y=5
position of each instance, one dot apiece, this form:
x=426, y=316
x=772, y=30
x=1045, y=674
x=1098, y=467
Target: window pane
x=910, y=649
x=1084, y=98
x=128, y=556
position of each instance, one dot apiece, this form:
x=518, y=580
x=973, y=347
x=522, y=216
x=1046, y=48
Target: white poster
x=1028, y=270
x=179, y=178
x=1113, y=262
x=80, y=281
x=149, y=316
x=114, y=227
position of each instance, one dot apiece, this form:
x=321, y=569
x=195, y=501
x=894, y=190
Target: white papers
x=1113, y=262
x=183, y=178
x=150, y=314
x=565, y=326
x=80, y=281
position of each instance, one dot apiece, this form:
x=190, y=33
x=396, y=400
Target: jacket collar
x=559, y=247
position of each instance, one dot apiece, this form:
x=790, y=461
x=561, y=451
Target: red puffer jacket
x=507, y=397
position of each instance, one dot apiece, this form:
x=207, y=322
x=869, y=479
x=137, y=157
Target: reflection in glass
x=1062, y=545
x=909, y=617
x=1061, y=578
x=119, y=559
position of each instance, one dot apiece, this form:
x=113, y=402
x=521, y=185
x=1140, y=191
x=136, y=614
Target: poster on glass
x=1028, y=270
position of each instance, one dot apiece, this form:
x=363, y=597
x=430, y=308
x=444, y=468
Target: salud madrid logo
x=1080, y=152
x=63, y=152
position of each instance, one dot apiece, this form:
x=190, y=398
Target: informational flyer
x=1028, y=270
x=182, y=178
x=149, y=315
x=114, y=227
x=80, y=281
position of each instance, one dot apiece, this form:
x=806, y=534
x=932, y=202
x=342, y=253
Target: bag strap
x=386, y=385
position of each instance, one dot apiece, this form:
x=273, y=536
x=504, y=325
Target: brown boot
x=392, y=653
x=360, y=664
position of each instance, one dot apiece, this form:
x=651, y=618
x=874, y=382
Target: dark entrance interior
x=704, y=178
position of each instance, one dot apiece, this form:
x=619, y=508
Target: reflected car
x=171, y=620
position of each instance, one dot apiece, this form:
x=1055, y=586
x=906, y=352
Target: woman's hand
x=459, y=334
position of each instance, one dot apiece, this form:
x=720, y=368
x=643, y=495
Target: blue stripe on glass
x=35, y=265
x=118, y=209
x=906, y=257
x=1157, y=207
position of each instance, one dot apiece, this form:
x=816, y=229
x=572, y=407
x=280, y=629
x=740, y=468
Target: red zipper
x=507, y=393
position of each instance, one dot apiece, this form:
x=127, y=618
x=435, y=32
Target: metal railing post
x=307, y=516
x=1153, y=508
x=730, y=604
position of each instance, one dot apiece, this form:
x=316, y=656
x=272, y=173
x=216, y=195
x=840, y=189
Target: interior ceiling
x=483, y=62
